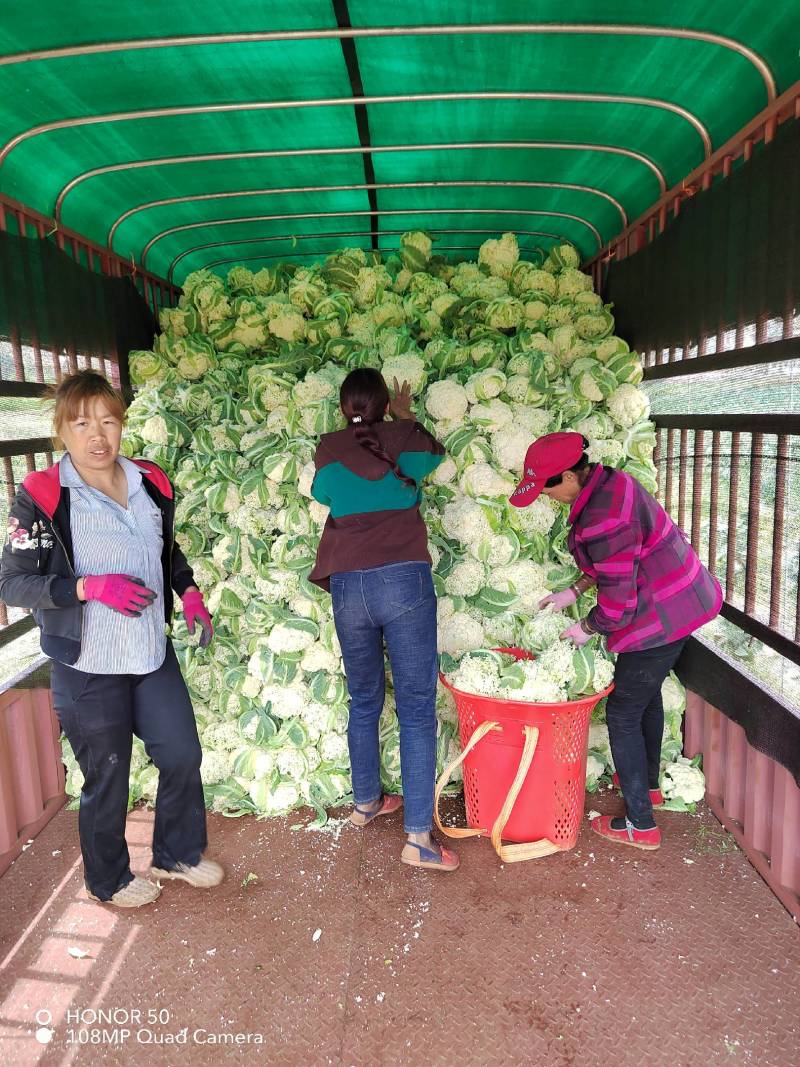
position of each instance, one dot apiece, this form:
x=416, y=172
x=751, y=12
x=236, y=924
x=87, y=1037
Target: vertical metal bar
x=657, y=460
x=11, y=488
x=697, y=487
x=778, y=524
x=682, y=479
x=670, y=461
x=753, y=517
x=733, y=509
x=713, y=516
x=16, y=353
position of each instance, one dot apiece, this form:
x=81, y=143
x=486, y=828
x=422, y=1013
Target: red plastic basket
x=549, y=806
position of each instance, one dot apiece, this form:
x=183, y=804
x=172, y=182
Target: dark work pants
x=100, y=713
x=635, y=718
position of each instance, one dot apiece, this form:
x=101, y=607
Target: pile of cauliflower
x=231, y=401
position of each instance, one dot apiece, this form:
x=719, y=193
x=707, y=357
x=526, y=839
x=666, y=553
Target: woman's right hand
x=120, y=592
x=559, y=600
x=400, y=403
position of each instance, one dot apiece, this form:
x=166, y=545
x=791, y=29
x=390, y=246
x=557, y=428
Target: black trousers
x=635, y=718
x=100, y=713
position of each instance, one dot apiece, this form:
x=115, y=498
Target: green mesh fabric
x=624, y=113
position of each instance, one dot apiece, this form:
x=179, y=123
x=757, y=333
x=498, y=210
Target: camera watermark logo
x=44, y=1034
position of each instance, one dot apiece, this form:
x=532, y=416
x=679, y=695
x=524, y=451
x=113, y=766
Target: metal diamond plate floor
x=321, y=948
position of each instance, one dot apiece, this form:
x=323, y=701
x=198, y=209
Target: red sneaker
x=649, y=840
x=656, y=799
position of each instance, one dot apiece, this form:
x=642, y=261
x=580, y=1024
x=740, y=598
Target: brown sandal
x=432, y=859
x=390, y=803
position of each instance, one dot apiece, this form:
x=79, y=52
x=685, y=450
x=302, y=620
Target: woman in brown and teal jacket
x=373, y=558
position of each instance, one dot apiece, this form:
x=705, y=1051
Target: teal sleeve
x=318, y=491
x=418, y=465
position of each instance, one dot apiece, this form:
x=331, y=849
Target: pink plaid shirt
x=652, y=588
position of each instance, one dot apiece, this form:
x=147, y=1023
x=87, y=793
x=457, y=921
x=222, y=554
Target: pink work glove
x=194, y=610
x=577, y=635
x=559, y=600
x=120, y=592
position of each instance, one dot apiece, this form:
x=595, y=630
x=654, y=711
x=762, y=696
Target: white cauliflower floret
x=594, y=771
x=610, y=453
x=406, y=367
x=285, y=638
x=525, y=578
x=481, y=480
x=459, y=633
x=446, y=400
x=628, y=405
x=288, y=325
x=544, y=629
x=445, y=473
x=318, y=658
x=539, y=686
x=333, y=749
x=509, y=447
x=683, y=782
x=466, y=579
x=215, y=767
x=485, y=385
x=603, y=674
x=536, y=518
x=291, y=763
x=673, y=695
x=477, y=674
x=536, y=421
x=494, y=415
x=499, y=255
x=465, y=521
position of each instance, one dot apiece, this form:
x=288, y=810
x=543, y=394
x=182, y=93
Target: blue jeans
x=100, y=713
x=635, y=718
x=395, y=603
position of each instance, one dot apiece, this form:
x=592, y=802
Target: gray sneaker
x=204, y=875
x=136, y=893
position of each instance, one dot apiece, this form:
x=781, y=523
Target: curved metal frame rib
x=349, y=101
x=365, y=212
x=275, y=153
x=576, y=29
x=353, y=233
x=327, y=252
x=364, y=187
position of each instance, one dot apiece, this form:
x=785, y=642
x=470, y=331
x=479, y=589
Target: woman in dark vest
x=373, y=558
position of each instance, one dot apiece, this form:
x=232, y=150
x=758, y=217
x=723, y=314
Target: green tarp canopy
x=191, y=134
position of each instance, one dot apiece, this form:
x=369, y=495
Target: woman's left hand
x=400, y=403
x=195, y=610
x=577, y=635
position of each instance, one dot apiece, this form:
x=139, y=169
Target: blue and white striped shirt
x=110, y=539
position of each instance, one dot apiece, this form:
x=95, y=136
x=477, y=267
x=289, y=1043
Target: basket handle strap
x=528, y=850
x=480, y=731
x=508, y=853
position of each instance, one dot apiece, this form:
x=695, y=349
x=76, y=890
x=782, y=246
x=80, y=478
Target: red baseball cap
x=549, y=455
